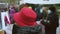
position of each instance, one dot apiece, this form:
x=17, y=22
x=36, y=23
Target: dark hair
x=53, y=9
x=23, y=5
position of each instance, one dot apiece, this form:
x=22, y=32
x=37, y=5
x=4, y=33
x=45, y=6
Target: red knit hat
x=25, y=17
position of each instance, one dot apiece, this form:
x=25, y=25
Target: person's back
x=26, y=22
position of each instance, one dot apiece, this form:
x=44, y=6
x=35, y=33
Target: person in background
x=43, y=12
x=11, y=12
x=25, y=22
x=37, y=10
x=15, y=8
x=23, y=5
x=50, y=21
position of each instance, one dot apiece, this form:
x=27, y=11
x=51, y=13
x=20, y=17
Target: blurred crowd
x=32, y=19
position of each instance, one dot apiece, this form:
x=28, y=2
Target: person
x=37, y=10
x=15, y=7
x=25, y=22
x=23, y=5
x=43, y=12
x=51, y=21
x=11, y=12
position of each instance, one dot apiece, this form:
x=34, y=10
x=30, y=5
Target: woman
x=51, y=21
x=25, y=22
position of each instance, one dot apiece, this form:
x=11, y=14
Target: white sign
x=5, y=23
x=41, y=1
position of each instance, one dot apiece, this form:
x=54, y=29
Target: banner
x=41, y=1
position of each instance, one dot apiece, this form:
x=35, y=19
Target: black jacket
x=50, y=28
x=27, y=30
x=37, y=10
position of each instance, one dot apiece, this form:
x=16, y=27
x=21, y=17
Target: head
x=5, y=9
x=11, y=6
x=26, y=17
x=23, y=5
x=45, y=9
x=53, y=9
x=26, y=5
x=15, y=5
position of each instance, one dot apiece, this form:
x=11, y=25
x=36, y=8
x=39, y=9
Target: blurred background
x=6, y=4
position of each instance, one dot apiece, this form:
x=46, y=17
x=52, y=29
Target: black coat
x=27, y=30
x=37, y=10
x=50, y=28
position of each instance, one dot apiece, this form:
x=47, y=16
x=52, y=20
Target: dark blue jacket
x=37, y=10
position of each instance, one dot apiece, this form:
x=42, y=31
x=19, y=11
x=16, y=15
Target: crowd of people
x=32, y=19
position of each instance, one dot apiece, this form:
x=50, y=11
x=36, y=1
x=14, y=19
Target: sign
x=41, y=1
x=5, y=19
